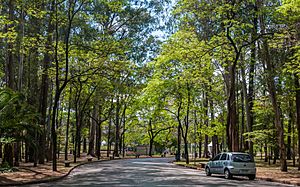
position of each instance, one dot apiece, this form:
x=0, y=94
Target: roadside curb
x=259, y=178
x=191, y=167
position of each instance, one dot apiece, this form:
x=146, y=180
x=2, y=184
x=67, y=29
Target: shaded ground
x=147, y=172
x=29, y=173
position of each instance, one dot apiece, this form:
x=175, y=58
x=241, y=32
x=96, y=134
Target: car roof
x=234, y=153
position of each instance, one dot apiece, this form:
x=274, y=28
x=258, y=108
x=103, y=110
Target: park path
x=147, y=172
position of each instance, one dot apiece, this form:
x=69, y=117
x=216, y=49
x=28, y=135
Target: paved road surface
x=147, y=172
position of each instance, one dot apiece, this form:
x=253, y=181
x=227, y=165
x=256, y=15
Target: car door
x=222, y=163
x=214, y=164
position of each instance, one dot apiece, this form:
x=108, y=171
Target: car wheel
x=227, y=174
x=207, y=171
x=251, y=177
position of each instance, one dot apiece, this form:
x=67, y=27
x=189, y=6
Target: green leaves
x=15, y=115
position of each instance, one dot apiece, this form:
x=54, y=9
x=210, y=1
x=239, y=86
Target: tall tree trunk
x=67, y=127
x=45, y=86
x=289, y=138
x=186, y=124
x=78, y=134
x=1, y=155
x=273, y=98
x=10, y=73
x=178, y=142
x=94, y=125
x=122, y=142
x=53, y=131
x=84, y=149
x=117, y=132
x=8, y=154
x=151, y=146
x=214, y=137
x=98, y=141
x=250, y=96
x=266, y=151
x=48, y=127
x=200, y=140
x=242, y=130
x=99, y=134
x=205, y=105
x=297, y=87
x=186, y=150
x=231, y=115
x=10, y=77
x=108, y=137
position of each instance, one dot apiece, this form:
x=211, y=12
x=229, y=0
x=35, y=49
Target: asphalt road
x=147, y=172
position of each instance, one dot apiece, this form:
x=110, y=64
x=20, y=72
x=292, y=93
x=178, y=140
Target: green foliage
x=16, y=116
x=6, y=168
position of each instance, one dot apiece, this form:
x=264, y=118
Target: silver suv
x=232, y=163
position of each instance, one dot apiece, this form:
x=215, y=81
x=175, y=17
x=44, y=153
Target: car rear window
x=242, y=158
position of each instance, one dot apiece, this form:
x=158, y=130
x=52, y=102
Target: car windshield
x=242, y=158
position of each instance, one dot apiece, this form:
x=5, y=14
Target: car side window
x=216, y=157
x=224, y=156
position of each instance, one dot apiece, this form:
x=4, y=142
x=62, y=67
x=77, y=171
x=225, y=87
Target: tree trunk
x=297, y=87
x=91, y=150
x=45, y=87
x=1, y=155
x=10, y=77
x=98, y=132
x=84, y=150
x=205, y=105
x=8, y=154
x=233, y=144
x=266, y=152
x=214, y=138
x=178, y=142
x=117, y=132
x=108, y=137
x=289, y=138
x=186, y=150
x=53, y=131
x=242, y=131
x=122, y=142
x=250, y=96
x=273, y=98
x=98, y=140
x=151, y=146
x=10, y=73
x=186, y=124
x=67, y=127
x=78, y=134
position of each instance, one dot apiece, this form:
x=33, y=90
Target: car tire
x=207, y=171
x=227, y=174
x=251, y=177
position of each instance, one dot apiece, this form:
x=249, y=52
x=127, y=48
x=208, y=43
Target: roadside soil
x=27, y=172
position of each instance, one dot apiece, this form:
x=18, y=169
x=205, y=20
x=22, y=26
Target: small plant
x=5, y=168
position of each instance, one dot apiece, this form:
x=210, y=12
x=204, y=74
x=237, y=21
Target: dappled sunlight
x=147, y=172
